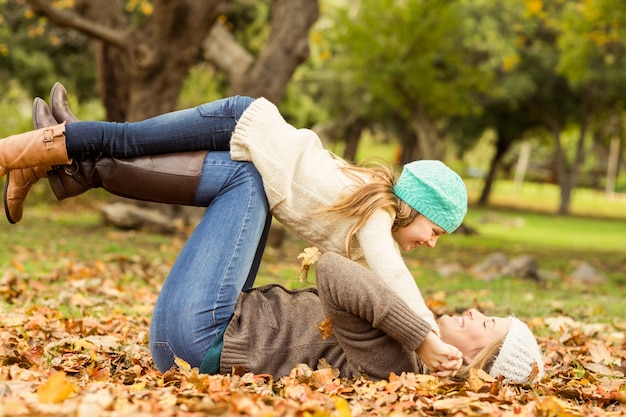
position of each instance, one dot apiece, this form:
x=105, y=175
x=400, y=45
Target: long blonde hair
x=484, y=358
x=373, y=190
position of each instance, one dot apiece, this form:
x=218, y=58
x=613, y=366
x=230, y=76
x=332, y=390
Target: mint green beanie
x=435, y=191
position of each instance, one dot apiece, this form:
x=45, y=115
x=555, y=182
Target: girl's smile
x=420, y=232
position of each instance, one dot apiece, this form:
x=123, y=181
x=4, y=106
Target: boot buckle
x=48, y=135
x=48, y=138
x=71, y=169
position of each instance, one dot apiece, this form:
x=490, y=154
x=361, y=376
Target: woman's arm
x=376, y=329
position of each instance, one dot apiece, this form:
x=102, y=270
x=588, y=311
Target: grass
x=556, y=293
x=53, y=232
x=521, y=222
x=53, y=235
x=545, y=198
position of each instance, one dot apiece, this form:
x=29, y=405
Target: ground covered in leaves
x=75, y=342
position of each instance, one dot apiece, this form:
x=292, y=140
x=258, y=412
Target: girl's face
x=420, y=232
x=472, y=331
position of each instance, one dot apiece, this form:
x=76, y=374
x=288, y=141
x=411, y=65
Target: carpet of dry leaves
x=98, y=363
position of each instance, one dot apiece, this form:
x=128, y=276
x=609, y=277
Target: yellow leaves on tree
x=57, y=388
x=510, y=62
x=534, y=7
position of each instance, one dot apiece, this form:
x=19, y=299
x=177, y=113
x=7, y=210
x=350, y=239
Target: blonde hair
x=373, y=190
x=484, y=358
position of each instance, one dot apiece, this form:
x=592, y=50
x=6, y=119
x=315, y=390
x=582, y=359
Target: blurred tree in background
x=439, y=78
x=397, y=64
x=143, y=50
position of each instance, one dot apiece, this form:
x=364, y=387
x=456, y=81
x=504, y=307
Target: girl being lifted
x=355, y=211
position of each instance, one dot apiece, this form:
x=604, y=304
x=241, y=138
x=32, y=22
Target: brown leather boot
x=20, y=181
x=18, y=184
x=169, y=178
x=30, y=153
x=59, y=104
x=41, y=147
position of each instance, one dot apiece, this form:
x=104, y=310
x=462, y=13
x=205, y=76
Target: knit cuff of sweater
x=211, y=361
x=405, y=326
x=256, y=110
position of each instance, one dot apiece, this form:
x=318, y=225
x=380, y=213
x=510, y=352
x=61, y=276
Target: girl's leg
x=206, y=127
x=219, y=260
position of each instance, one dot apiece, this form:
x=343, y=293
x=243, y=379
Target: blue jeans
x=206, y=127
x=219, y=260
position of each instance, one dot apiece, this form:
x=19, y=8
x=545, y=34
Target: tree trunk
x=612, y=167
x=112, y=62
x=428, y=145
x=353, y=135
x=287, y=47
x=410, y=149
x=503, y=143
x=568, y=174
x=142, y=69
x=522, y=165
x=164, y=51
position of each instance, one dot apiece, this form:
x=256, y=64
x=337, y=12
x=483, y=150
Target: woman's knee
x=257, y=191
x=248, y=169
x=162, y=355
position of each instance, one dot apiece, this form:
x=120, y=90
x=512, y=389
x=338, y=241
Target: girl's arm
x=383, y=257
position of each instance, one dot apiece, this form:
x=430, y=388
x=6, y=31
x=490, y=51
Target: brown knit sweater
x=373, y=331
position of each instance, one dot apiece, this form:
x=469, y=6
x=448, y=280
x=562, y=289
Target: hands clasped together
x=441, y=358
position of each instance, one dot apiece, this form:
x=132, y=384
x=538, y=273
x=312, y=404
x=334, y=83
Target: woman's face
x=420, y=232
x=472, y=331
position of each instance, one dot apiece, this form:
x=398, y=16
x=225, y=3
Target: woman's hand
x=441, y=358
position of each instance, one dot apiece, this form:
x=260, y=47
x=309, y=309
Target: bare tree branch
x=221, y=49
x=88, y=27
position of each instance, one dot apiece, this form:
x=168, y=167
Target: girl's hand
x=441, y=358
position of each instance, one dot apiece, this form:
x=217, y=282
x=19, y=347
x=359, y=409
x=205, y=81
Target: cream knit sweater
x=300, y=177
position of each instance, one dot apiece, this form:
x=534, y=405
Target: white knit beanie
x=518, y=355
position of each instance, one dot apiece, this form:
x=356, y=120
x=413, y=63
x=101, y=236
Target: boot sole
x=6, y=206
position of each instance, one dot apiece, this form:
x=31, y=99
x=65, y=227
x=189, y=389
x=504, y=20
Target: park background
x=524, y=98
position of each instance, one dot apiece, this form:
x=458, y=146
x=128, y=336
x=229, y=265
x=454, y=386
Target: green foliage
x=493, y=33
x=249, y=20
x=406, y=54
x=202, y=85
x=38, y=54
x=15, y=108
x=593, y=42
